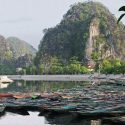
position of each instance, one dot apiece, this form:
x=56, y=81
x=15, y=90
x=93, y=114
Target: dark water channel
x=37, y=118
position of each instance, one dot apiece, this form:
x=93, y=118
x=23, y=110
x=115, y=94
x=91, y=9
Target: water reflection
x=37, y=86
x=3, y=85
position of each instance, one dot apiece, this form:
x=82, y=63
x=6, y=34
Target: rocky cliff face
x=5, y=51
x=93, y=32
x=88, y=31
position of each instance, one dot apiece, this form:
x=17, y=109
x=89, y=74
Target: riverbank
x=83, y=77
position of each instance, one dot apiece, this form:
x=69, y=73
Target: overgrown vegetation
x=122, y=15
x=106, y=66
x=55, y=66
x=7, y=69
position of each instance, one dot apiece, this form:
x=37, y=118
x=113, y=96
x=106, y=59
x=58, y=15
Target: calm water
x=35, y=118
x=27, y=86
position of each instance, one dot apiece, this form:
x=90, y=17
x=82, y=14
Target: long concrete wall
x=50, y=77
x=63, y=77
x=84, y=77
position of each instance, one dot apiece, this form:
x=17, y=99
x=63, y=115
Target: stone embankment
x=84, y=77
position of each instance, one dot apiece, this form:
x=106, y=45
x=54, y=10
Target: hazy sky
x=27, y=18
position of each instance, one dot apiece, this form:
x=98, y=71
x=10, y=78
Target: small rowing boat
x=5, y=79
x=5, y=95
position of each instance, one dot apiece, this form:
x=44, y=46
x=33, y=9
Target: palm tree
x=121, y=9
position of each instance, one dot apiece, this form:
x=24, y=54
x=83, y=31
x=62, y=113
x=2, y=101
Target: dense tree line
x=55, y=66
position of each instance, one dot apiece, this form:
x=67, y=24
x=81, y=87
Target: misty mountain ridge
x=20, y=47
x=15, y=53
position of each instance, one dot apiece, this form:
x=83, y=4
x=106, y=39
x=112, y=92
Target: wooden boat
x=67, y=97
x=5, y=79
x=2, y=107
x=5, y=95
x=61, y=119
x=100, y=113
x=12, y=106
x=18, y=111
x=116, y=120
x=21, y=96
x=50, y=95
x=61, y=109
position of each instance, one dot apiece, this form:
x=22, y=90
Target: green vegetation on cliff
x=55, y=66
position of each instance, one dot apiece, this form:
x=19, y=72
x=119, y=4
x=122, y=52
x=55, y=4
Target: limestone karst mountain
x=88, y=31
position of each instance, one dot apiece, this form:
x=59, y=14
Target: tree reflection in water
x=3, y=85
x=37, y=86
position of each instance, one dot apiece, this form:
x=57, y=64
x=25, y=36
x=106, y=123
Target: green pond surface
x=35, y=118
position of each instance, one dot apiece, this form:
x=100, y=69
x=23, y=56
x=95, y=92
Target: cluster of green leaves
x=7, y=69
x=30, y=70
x=113, y=67
x=55, y=66
x=121, y=9
x=74, y=67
